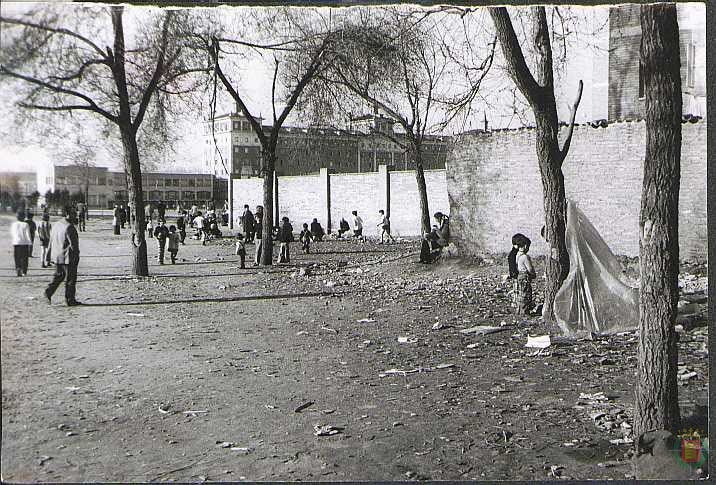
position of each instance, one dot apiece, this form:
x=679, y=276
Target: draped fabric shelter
x=594, y=299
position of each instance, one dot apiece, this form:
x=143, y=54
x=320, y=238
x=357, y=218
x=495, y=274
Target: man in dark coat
x=65, y=250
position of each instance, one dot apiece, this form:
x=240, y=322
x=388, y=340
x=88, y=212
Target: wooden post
x=325, y=178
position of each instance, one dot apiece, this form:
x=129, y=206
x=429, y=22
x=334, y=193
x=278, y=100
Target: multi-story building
x=23, y=183
x=232, y=146
x=626, y=83
x=105, y=187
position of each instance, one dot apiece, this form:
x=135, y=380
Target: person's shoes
x=49, y=298
x=161, y=262
x=74, y=303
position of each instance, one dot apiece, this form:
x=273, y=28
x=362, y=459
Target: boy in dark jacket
x=305, y=237
x=285, y=237
x=161, y=232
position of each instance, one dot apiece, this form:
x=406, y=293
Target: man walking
x=21, y=243
x=65, y=248
x=161, y=232
x=82, y=213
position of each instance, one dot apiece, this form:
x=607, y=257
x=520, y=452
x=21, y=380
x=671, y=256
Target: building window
x=641, y=80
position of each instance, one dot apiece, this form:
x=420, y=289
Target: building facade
x=104, y=187
x=23, y=183
x=626, y=84
x=232, y=146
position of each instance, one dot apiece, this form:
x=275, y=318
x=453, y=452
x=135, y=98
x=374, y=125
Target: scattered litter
x=302, y=332
x=303, y=406
x=164, y=408
x=366, y=320
x=70, y=433
x=444, y=366
x=225, y=444
x=406, y=340
x=43, y=459
x=597, y=396
x=243, y=449
x=328, y=411
x=398, y=371
x=194, y=413
x=472, y=346
x=326, y=430
x=72, y=388
x=482, y=329
x=621, y=441
x=329, y=329
x=541, y=342
x=397, y=423
x=132, y=314
x=688, y=375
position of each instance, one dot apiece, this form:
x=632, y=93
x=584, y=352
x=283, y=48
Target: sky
x=255, y=80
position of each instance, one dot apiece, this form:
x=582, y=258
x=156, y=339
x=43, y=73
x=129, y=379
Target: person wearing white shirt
x=21, y=242
x=357, y=226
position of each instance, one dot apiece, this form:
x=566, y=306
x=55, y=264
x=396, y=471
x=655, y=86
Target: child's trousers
x=284, y=256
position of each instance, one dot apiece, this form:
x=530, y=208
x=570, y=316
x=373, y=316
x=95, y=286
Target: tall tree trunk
x=268, y=157
x=140, y=266
x=657, y=405
x=422, y=189
x=539, y=91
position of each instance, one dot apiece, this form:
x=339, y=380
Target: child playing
x=285, y=237
x=173, y=241
x=525, y=275
x=150, y=230
x=384, y=226
x=241, y=249
x=162, y=234
x=305, y=238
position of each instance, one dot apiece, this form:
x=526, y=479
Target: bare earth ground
x=82, y=387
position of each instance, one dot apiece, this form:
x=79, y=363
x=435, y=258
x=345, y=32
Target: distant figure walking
x=357, y=226
x=116, y=219
x=384, y=226
x=65, y=247
x=173, y=243
x=285, y=237
x=33, y=229
x=43, y=233
x=21, y=242
x=181, y=225
x=82, y=216
x=122, y=216
x=161, y=209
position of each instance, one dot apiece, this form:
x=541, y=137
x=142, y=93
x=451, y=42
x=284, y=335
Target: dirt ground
x=197, y=372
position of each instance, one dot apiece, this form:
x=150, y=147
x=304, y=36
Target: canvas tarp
x=594, y=298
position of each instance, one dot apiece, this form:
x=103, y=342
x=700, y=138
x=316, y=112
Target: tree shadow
x=212, y=300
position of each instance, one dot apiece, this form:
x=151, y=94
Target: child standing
x=305, y=238
x=43, y=232
x=525, y=275
x=149, y=229
x=512, y=265
x=241, y=249
x=161, y=233
x=285, y=237
x=173, y=243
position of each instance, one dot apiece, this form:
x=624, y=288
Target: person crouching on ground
x=285, y=237
x=305, y=238
x=525, y=275
x=21, y=242
x=173, y=243
x=241, y=249
x=161, y=233
x=317, y=231
x=43, y=233
x=343, y=227
x=65, y=247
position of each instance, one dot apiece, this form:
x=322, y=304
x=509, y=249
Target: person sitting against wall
x=434, y=241
x=317, y=231
x=343, y=227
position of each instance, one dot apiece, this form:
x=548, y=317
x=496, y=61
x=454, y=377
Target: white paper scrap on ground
x=541, y=342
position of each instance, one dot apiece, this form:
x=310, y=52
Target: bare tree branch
x=573, y=114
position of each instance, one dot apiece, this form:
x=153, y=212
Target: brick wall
x=301, y=198
x=495, y=188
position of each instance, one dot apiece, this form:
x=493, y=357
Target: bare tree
x=399, y=61
x=539, y=92
x=657, y=404
x=70, y=60
x=306, y=36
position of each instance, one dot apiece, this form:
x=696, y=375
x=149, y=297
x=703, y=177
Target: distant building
x=233, y=146
x=106, y=188
x=626, y=84
x=23, y=183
